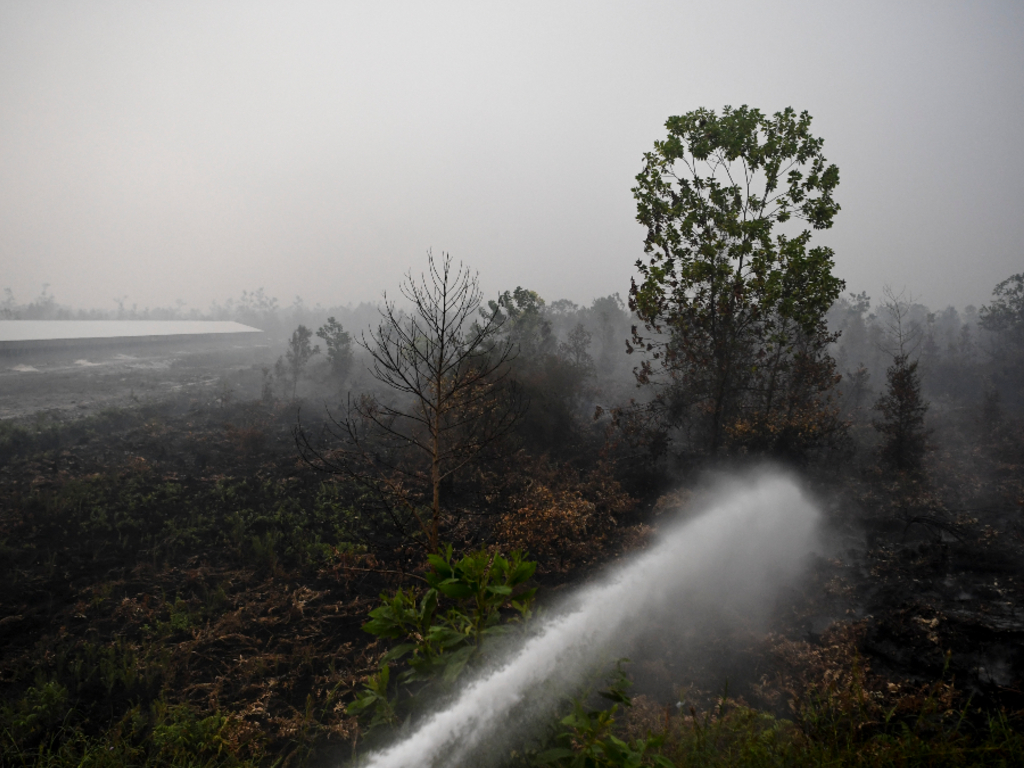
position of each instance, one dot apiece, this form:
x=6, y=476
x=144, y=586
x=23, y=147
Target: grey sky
x=193, y=150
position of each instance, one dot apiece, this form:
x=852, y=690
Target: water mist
x=752, y=537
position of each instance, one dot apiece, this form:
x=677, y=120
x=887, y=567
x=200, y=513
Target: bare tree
x=453, y=398
x=902, y=335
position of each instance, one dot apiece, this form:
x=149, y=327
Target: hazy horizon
x=191, y=151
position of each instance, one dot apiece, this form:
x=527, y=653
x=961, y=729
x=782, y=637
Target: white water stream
x=753, y=537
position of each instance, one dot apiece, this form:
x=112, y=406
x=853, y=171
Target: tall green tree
x=731, y=294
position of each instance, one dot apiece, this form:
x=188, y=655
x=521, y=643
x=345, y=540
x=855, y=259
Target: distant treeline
x=963, y=355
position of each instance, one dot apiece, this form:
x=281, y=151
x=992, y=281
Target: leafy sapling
x=442, y=630
x=585, y=738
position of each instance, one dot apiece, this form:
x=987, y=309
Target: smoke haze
x=189, y=151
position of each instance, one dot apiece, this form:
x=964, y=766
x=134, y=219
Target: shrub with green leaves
x=442, y=630
x=585, y=738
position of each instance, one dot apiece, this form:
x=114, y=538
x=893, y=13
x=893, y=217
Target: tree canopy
x=1006, y=312
x=733, y=301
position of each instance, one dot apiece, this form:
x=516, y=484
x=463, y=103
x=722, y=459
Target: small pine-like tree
x=299, y=353
x=902, y=422
x=339, y=346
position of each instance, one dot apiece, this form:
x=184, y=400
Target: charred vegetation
x=192, y=545
x=172, y=567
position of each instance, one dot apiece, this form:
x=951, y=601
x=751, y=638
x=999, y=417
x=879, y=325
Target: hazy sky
x=192, y=150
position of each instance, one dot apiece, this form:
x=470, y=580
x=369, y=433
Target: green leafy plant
x=377, y=699
x=586, y=737
x=180, y=736
x=43, y=707
x=441, y=630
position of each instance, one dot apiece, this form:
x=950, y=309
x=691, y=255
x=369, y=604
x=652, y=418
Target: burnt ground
x=161, y=543
x=81, y=382
x=154, y=547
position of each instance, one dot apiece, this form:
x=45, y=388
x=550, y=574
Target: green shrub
x=441, y=630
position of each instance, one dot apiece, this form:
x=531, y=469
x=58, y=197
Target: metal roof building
x=27, y=336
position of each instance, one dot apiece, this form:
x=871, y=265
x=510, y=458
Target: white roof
x=46, y=330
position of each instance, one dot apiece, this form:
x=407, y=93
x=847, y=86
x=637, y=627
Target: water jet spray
x=752, y=537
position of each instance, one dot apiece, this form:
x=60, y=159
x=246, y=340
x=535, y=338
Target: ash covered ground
x=81, y=382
